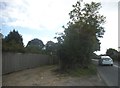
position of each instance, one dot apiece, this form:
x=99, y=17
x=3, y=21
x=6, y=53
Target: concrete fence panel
x=19, y=61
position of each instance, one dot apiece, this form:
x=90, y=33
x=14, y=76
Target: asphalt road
x=109, y=73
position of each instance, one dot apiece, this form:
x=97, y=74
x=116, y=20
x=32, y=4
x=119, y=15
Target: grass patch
x=92, y=70
x=78, y=72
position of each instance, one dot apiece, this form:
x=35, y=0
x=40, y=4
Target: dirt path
x=44, y=76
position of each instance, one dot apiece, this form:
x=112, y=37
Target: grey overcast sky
x=43, y=18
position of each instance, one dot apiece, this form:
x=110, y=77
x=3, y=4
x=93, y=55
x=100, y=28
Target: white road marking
x=95, y=59
x=116, y=66
x=99, y=76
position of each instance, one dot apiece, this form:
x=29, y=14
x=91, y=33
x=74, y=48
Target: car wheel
x=111, y=64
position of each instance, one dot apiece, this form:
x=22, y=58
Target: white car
x=105, y=60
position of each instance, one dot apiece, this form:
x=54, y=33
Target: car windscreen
x=106, y=59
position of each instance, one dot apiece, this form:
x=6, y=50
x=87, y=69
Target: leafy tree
x=14, y=36
x=112, y=53
x=35, y=46
x=1, y=35
x=1, y=38
x=119, y=56
x=50, y=47
x=81, y=35
x=13, y=42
